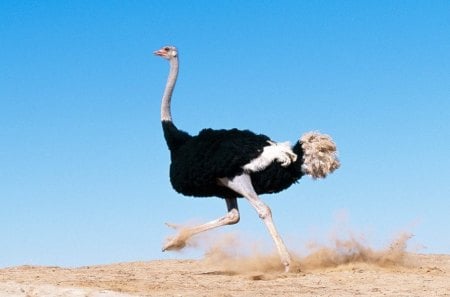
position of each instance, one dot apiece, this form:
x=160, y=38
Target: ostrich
x=234, y=163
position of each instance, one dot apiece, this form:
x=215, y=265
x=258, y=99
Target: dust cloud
x=231, y=253
x=236, y=253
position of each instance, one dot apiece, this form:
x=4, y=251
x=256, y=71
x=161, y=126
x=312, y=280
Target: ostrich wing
x=213, y=154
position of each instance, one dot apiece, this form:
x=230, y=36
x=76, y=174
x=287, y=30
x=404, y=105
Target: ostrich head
x=167, y=52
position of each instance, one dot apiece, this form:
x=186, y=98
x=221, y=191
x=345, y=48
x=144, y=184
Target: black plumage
x=199, y=161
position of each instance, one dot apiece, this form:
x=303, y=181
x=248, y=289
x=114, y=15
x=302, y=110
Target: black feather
x=174, y=137
x=199, y=161
x=276, y=178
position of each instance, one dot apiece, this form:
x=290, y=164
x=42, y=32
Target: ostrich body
x=237, y=163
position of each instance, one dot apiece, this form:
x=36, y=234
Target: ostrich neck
x=170, y=85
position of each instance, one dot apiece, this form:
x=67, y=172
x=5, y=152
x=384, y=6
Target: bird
x=233, y=163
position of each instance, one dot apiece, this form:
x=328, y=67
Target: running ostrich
x=234, y=163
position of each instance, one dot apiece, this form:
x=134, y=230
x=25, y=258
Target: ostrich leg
x=179, y=241
x=242, y=184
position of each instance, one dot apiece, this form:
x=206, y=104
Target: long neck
x=170, y=85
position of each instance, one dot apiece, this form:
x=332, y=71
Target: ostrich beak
x=159, y=53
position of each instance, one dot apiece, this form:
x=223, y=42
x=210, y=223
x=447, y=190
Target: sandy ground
x=416, y=275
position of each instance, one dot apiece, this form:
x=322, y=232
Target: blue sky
x=83, y=163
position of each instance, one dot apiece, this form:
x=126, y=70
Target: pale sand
x=416, y=275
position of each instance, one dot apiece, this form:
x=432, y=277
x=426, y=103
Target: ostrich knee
x=233, y=217
x=263, y=210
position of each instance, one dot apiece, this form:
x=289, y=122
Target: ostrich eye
x=166, y=48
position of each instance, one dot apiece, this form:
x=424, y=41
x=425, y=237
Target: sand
x=416, y=275
x=233, y=266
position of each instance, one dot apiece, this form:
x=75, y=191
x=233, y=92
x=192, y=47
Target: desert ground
x=346, y=269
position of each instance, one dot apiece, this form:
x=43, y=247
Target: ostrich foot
x=178, y=241
x=185, y=233
x=174, y=244
x=287, y=264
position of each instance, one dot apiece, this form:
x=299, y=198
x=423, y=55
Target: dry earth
x=346, y=268
x=322, y=274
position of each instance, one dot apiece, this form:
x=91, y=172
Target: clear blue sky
x=83, y=163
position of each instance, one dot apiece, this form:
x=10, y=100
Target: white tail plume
x=319, y=154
